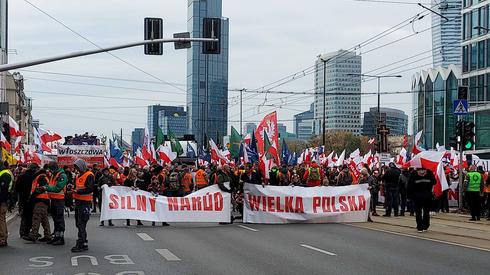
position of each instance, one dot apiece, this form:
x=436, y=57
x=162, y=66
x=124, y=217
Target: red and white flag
x=5, y=142
x=372, y=141
x=17, y=144
x=416, y=149
x=269, y=126
x=431, y=160
x=402, y=157
x=340, y=160
x=49, y=136
x=14, y=128
x=139, y=159
x=247, y=139
x=166, y=155
x=216, y=154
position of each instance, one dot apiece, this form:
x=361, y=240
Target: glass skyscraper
x=343, y=92
x=207, y=76
x=172, y=118
x=476, y=68
x=446, y=34
x=434, y=91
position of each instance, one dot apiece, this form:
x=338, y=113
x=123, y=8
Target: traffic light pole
x=460, y=168
x=29, y=63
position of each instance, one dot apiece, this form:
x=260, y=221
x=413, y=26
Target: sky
x=269, y=40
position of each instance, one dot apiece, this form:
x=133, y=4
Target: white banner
x=293, y=204
x=209, y=204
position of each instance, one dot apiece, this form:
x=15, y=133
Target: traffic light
x=455, y=141
x=153, y=30
x=211, y=29
x=468, y=135
x=463, y=92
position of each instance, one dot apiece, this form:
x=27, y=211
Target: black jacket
x=420, y=188
x=391, y=177
x=23, y=186
x=4, y=186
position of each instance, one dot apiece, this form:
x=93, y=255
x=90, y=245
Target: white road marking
x=145, y=237
x=169, y=256
x=318, y=249
x=248, y=228
x=422, y=238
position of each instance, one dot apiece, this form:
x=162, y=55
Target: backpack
x=173, y=181
x=314, y=174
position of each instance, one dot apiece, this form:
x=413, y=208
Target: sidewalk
x=449, y=227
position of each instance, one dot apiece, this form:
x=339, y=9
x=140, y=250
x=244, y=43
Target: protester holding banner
x=105, y=179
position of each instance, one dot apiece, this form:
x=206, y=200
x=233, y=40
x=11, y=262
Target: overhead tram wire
x=99, y=47
x=101, y=77
x=416, y=17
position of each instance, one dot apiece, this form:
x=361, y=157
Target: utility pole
x=241, y=113
x=460, y=168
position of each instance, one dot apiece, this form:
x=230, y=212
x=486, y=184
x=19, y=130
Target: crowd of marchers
x=45, y=191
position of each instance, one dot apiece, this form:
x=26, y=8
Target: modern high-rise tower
x=446, y=33
x=343, y=92
x=207, y=75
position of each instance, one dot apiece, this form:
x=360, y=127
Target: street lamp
x=379, y=98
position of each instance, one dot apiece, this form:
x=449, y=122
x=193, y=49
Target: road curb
x=407, y=226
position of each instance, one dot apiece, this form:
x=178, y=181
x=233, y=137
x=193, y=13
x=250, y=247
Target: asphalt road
x=239, y=249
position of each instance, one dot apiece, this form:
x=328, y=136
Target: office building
x=172, y=118
x=250, y=128
x=343, y=92
x=137, y=138
x=446, y=33
x=207, y=75
x=476, y=68
x=20, y=106
x=3, y=46
x=396, y=120
x=432, y=104
x=303, y=124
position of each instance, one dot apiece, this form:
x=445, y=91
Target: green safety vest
x=11, y=183
x=474, y=181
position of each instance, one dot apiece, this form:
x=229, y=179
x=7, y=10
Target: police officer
x=84, y=186
x=473, y=191
x=56, y=191
x=6, y=183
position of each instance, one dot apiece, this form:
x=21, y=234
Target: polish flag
x=166, y=155
x=49, y=136
x=216, y=154
x=402, y=157
x=340, y=160
x=113, y=162
x=329, y=161
x=14, y=128
x=416, y=149
x=139, y=159
x=247, y=139
x=372, y=141
x=17, y=144
x=367, y=158
x=5, y=142
x=431, y=160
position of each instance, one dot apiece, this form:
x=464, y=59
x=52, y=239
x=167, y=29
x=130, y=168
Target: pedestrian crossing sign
x=460, y=107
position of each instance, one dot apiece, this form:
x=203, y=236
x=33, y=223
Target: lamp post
x=379, y=82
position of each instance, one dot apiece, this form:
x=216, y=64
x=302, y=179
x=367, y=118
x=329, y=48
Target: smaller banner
x=484, y=163
x=209, y=204
x=92, y=154
x=294, y=204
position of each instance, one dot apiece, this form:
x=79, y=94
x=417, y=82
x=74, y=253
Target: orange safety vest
x=80, y=184
x=186, y=182
x=61, y=194
x=35, y=184
x=200, y=178
x=487, y=188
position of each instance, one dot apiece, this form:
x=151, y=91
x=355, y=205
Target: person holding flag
x=419, y=190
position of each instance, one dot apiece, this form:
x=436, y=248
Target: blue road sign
x=460, y=107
